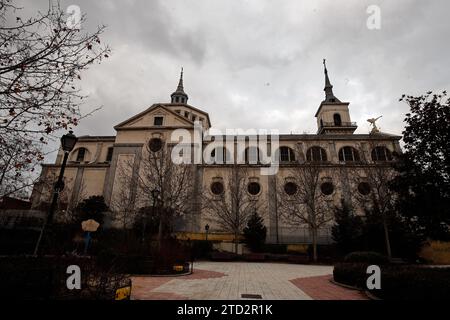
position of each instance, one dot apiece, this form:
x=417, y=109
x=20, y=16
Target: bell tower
x=179, y=96
x=333, y=116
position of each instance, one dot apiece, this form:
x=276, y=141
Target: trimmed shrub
x=201, y=249
x=275, y=248
x=352, y=274
x=42, y=278
x=253, y=257
x=398, y=282
x=224, y=256
x=367, y=257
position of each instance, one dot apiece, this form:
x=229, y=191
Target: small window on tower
x=158, y=121
x=194, y=117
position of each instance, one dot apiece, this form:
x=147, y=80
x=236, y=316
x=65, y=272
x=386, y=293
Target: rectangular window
x=158, y=121
x=109, y=155
x=80, y=155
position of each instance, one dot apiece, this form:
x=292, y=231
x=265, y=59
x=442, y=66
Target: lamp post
x=68, y=141
x=206, y=231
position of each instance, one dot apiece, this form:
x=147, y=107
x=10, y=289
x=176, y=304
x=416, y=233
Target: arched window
x=348, y=154
x=337, y=119
x=316, y=154
x=81, y=154
x=286, y=154
x=381, y=154
x=252, y=155
x=220, y=155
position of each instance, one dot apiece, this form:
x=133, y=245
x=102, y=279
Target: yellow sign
x=123, y=293
x=178, y=268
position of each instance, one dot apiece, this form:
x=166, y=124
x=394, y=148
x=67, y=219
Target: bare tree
x=231, y=208
x=306, y=204
x=123, y=203
x=41, y=60
x=68, y=200
x=162, y=184
x=374, y=177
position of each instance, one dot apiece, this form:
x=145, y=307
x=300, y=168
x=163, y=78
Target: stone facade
x=94, y=163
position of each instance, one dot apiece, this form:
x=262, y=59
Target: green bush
x=352, y=274
x=255, y=233
x=398, y=282
x=275, y=248
x=368, y=257
x=42, y=278
x=201, y=249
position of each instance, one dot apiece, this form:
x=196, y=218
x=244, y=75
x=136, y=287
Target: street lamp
x=206, y=230
x=68, y=142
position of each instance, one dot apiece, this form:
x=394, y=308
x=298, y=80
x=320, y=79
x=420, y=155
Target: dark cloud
x=258, y=63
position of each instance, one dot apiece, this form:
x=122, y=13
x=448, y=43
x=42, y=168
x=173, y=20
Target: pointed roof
x=329, y=96
x=179, y=92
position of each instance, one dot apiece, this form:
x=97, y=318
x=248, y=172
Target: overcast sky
x=258, y=63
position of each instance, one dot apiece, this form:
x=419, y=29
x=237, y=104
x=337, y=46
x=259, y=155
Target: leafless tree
x=375, y=175
x=231, y=208
x=162, y=184
x=41, y=60
x=306, y=205
x=123, y=203
x=68, y=200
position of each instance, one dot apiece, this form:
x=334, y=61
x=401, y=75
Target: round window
x=217, y=188
x=253, y=188
x=327, y=188
x=364, y=188
x=290, y=188
x=155, y=144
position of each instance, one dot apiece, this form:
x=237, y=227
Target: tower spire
x=329, y=96
x=179, y=96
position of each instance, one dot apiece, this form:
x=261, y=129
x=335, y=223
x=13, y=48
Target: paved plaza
x=230, y=280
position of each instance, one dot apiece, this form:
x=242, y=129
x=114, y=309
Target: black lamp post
x=206, y=231
x=68, y=142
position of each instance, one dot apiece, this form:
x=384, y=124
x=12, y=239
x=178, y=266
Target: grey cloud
x=258, y=63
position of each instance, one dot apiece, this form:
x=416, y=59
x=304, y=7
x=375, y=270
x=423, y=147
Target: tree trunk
x=314, y=243
x=386, y=237
x=160, y=229
x=236, y=243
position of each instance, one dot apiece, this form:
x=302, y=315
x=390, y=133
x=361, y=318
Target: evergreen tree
x=423, y=183
x=93, y=207
x=347, y=230
x=255, y=232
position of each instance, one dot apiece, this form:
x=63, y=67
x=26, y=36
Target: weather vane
x=373, y=121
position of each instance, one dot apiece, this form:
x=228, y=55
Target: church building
x=95, y=165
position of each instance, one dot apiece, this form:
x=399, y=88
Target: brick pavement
x=229, y=280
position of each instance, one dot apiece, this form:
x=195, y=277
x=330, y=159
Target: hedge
x=366, y=257
x=398, y=282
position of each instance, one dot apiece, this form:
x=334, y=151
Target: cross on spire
x=329, y=96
